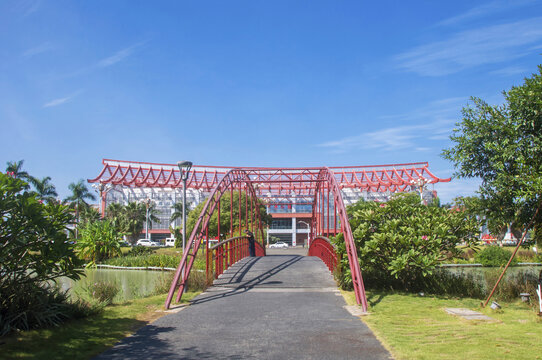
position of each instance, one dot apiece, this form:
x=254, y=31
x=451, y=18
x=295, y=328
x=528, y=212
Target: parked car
x=170, y=241
x=147, y=242
x=278, y=245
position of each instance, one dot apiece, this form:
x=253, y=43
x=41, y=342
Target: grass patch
x=85, y=338
x=414, y=327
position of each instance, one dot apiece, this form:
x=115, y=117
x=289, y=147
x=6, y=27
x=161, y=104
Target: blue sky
x=253, y=83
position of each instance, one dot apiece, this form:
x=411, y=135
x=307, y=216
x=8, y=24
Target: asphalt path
x=273, y=307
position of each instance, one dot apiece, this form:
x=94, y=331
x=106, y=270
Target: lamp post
x=308, y=227
x=184, y=168
x=420, y=184
x=147, y=205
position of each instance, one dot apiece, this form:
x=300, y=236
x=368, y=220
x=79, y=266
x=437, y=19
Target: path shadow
x=250, y=284
x=144, y=344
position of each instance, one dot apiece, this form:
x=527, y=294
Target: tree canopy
x=225, y=212
x=502, y=145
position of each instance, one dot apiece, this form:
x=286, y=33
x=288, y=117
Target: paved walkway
x=273, y=307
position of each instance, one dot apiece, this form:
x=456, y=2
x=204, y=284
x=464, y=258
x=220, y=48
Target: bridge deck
x=273, y=307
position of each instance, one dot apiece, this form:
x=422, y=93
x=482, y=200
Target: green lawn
x=414, y=327
x=85, y=338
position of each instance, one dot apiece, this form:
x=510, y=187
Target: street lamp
x=147, y=205
x=184, y=168
x=308, y=227
x=420, y=184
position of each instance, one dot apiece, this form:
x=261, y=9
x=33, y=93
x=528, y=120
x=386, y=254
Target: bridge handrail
x=327, y=251
x=227, y=241
x=229, y=251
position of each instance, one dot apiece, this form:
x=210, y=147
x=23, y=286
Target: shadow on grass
x=78, y=339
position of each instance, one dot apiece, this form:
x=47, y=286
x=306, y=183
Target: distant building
x=289, y=202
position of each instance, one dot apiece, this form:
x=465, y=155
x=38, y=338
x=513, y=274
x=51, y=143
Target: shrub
x=34, y=250
x=140, y=250
x=404, y=239
x=102, y=291
x=494, y=256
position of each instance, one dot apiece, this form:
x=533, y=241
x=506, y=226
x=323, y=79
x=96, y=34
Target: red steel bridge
x=249, y=188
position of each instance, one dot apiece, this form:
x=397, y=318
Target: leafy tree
x=405, y=239
x=45, y=190
x=77, y=199
x=225, y=212
x=502, y=145
x=99, y=241
x=34, y=249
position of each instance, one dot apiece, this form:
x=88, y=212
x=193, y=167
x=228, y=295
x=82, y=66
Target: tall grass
x=155, y=260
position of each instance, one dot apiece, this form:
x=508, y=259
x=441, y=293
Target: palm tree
x=134, y=220
x=80, y=193
x=178, y=211
x=45, y=190
x=17, y=169
x=115, y=213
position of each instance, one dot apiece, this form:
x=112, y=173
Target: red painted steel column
x=207, y=252
x=252, y=214
x=327, y=211
x=246, y=207
x=218, y=218
x=231, y=211
x=240, y=209
x=334, y=216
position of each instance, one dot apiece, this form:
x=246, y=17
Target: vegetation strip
x=134, y=267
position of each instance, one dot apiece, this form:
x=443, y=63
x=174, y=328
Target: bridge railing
x=321, y=247
x=226, y=253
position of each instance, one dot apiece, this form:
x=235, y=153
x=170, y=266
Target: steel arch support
x=327, y=177
x=229, y=181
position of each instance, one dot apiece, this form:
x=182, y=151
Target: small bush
x=494, y=256
x=103, y=292
x=140, y=250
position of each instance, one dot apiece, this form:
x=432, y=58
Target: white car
x=278, y=245
x=146, y=242
x=170, y=241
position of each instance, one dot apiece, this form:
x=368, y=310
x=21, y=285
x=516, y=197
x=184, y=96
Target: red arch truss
x=321, y=187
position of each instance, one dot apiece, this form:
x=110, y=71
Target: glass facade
x=278, y=224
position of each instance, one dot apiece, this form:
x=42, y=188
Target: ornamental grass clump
x=103, y=292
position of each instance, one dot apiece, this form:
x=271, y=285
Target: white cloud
x=484, y=10
x=120, y=55
x=60, y=101
x=46, y=46
x=434, y=122
x=471, y=48
x=510, y=71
